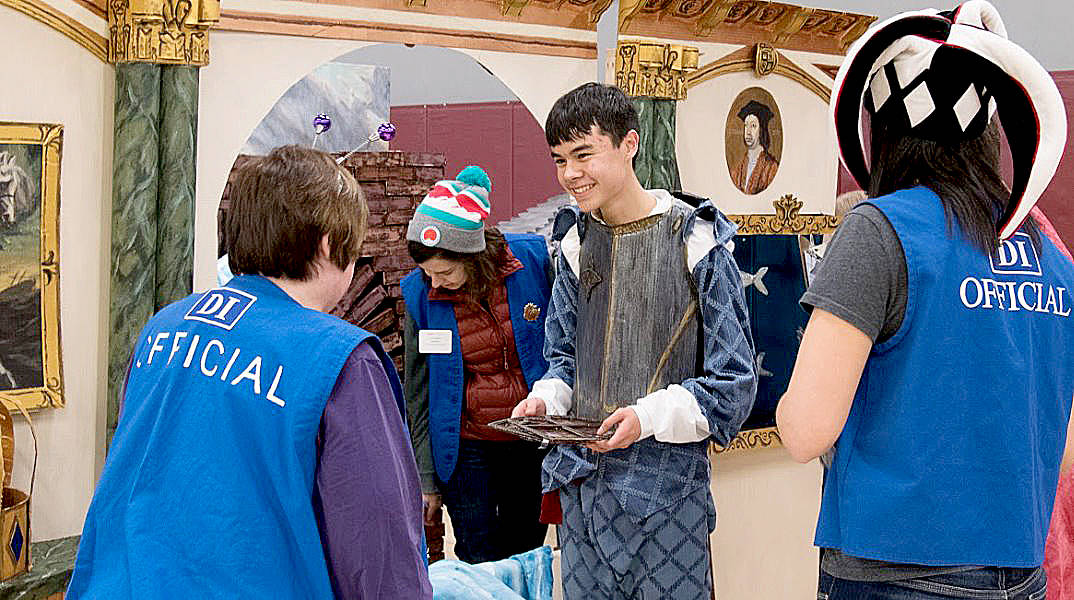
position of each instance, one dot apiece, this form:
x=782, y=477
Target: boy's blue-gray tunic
x=651, y=475
x=645, y=327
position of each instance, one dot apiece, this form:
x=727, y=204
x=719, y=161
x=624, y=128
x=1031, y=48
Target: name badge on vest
x=434, y=341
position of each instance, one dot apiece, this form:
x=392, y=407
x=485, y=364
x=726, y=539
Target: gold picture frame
x=787, y=220
x=31, y=369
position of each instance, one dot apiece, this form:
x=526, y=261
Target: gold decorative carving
x=744, y=59
x=174, y=32
x=629, y=8
x=598, y=9
x=767, y=437
x=658, y=70
x=765, y=59
x=82, y=35
x=743, y=21
x=509, y=8
x=20, y=273
x=792, y=24
x=786, y=220
x=652, y=6
x=713, y=17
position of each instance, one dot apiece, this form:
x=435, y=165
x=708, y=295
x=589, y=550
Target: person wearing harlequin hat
x=648, y=334
x=936, y=358
x=473, y=340
x=755, y=171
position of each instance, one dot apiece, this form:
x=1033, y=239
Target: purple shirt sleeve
x=367, y=497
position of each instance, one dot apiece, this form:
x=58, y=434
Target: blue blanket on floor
x=526, y=576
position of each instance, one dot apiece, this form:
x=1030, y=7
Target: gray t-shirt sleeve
x=862, y=278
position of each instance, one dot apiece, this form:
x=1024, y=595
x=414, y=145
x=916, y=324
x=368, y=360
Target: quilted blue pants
x=610, y=555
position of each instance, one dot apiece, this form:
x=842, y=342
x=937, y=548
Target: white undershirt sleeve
x=556, y=395
x=671, y=415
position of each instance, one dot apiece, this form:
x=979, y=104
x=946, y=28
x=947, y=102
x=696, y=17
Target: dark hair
x=575, y=113
x=965, y=175
x=282, y=205
x=482, y=268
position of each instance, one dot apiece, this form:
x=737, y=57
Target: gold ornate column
x=157, y=47
x=163, y=32
x=654, y=76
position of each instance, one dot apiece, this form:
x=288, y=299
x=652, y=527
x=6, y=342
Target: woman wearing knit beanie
x=474, y=342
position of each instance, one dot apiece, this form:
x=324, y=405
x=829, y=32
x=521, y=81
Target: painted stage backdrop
x=30, y=372
x=355, y=98
x=753, y=136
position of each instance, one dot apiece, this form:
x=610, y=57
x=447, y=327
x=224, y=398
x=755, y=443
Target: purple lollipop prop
x=321, y=124
x=386, y=132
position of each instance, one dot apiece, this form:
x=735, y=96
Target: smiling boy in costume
x=647, y=332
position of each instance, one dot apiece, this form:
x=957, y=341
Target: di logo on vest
x=1016, y=256
x=222, y=307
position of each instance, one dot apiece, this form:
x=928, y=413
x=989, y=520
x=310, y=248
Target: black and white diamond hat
x=942, y=75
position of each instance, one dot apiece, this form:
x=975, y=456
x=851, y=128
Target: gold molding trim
x=713, y=17
x=785, y=25
x=786, y=220
x=50, y=138
x=628, y=9
x=97, y=7
x=656, y=70
x=598, y=10
x=508, y=8
x=766, y=437
x=574, y=14
x=167, y=32
x=54, y=18
x=744, y=59
x=338, y=29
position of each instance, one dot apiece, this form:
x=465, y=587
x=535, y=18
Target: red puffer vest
x=494, y=382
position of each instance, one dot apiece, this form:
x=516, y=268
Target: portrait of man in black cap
x=755, y=170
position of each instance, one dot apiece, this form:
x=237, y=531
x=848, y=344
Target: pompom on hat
x=452, y=214
x=941, y=76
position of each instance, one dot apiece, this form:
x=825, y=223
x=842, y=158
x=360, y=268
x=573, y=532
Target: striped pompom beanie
x=452, y=214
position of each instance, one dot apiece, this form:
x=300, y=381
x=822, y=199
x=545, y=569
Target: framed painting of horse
x=31, y=372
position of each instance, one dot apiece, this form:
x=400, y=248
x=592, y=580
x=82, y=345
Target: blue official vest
x=527, y=286
x=208, y=485
x=950, y=455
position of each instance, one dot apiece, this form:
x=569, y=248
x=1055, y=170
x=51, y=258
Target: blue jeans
x=494, y=500
x=986, y=583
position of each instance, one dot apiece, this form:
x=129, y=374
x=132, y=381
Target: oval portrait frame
x=735, y=147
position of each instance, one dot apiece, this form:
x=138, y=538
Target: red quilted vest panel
x=494, y=382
